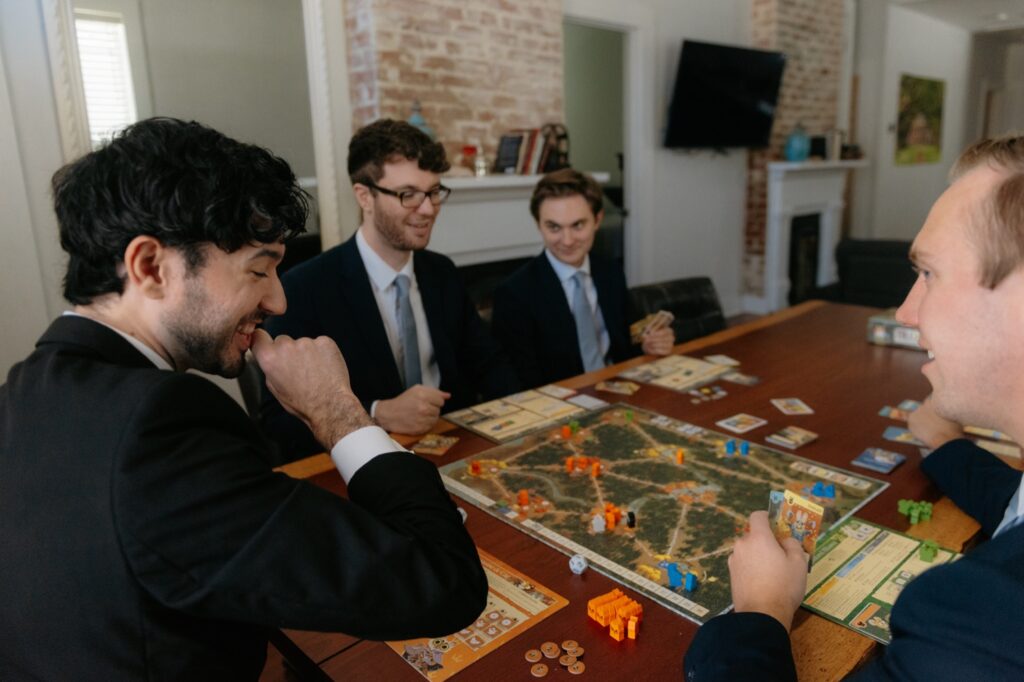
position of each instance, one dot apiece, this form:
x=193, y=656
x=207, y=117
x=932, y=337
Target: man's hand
x=930, y=428
x=413, y=412
x=309, y=378
x=768, y=577
x=659, y=342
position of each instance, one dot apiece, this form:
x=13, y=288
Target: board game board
x=687, y=515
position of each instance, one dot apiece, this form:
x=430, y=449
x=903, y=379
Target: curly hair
x=388, y=140
x=566, y=182
x=181, y=182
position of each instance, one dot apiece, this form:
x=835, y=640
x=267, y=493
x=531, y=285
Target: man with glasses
x=414, y=342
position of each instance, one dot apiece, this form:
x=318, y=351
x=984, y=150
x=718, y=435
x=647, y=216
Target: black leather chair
x=692, y=300
x=874, y=272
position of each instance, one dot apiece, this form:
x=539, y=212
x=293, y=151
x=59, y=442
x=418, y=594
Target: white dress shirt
x=565, y=273
x=349, y=454
x=382, y=282
x=1014, y=510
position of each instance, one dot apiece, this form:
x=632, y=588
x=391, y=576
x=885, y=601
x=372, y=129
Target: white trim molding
x=68, y=92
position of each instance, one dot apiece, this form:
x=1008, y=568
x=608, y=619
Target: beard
x=204, y=341
x=392, y=229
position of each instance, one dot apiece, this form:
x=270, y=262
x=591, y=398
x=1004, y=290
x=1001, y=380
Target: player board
x=677, y=372
x=687, y=515
x=514, y=415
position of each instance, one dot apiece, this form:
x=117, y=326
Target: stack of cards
x=792, y=406
x=434, y=444
x=793, y=516
x=741, y=423
x=898, y=434
x=722, y=360
x=877, y=459
x=620, y=387
x=651, y=323
x=741, y=378
x=792, y=437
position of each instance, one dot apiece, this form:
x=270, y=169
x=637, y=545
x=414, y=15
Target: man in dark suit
x=145, y=535
x=957, y=621
x=566, y=312
x=413, y=340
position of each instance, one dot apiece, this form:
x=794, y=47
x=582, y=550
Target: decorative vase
x=798, y=145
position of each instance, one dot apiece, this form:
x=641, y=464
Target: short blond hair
x=997, y=226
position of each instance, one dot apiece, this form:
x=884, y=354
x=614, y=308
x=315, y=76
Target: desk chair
x=693, y=301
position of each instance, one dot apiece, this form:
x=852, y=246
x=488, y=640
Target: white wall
x=892, y=202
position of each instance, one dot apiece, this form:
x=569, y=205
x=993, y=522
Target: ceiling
x=974, y=15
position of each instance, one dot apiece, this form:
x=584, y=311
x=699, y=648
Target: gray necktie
x=407, y=334
x=586, y=329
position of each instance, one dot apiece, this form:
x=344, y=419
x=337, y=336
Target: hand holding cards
x=793, y=516
x=651, y=323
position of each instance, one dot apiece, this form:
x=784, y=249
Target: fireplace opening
x=805, y=231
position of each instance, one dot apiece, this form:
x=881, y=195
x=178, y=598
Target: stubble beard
x=203, y=342
x=391, y=229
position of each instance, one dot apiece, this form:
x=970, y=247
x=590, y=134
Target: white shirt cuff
x=373, y=409
x=359, y=447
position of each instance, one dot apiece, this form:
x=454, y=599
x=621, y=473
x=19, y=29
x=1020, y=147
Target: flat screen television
x=724, y=96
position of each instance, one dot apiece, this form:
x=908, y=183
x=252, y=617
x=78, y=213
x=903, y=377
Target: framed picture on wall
x=919, y=121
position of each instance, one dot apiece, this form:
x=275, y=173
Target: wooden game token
x=569, y=644
x=550, y=650
x=533, y=655
x=567, y=660
x=540, y=670
x=576, y=652
x=577, y=668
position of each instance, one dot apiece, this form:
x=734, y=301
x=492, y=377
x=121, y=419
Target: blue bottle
x=798, y=145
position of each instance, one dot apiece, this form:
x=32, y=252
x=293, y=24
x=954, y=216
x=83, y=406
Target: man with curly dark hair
x=145, y=534
x=413, y=339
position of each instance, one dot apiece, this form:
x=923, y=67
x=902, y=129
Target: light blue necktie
x=586, y=329
x=411, y=372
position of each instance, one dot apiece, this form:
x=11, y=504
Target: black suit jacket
x=331, y=295
x=958, y=621
x=145, y=536
x=533, y=322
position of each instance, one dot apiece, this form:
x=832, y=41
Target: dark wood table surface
x=816, y=352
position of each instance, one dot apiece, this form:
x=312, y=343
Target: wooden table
x=814, y=351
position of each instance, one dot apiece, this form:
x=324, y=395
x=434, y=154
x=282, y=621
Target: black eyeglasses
x=413, y=198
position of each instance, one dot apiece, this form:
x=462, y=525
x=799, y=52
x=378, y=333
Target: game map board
x=514, y=415
x=687, y=516
x=676, y=372
x=859, y=569
x=514, y=604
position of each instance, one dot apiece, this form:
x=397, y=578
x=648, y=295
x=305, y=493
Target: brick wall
x=809, y=32
x=478, y=67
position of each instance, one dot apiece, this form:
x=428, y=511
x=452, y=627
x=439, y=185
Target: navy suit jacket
x=330, y=295
x=146, y=537
x=958, y=621
x=533, y=322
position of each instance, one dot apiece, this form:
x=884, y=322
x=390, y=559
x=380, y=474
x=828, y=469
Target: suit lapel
x=360, y=311
x=434, y=309
x=556, y=315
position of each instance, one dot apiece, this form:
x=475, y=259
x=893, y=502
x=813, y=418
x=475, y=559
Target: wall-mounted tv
x=724, y=96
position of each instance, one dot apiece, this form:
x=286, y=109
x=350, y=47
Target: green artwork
x=690, y=498
x=919, y=124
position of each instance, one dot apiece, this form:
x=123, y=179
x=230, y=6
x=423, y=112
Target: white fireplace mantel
x=795, y=189
x=488, y=219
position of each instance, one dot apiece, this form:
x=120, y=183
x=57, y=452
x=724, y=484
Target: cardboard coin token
x=533, y=655
x=569, y=644
x=577, y=652
x=550, y=650
x=539, y=670
x=567, y=660
x=577, y=668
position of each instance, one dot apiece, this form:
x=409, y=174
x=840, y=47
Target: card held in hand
x=651, y=323
x=793, y=516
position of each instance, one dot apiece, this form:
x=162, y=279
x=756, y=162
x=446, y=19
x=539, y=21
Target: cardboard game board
x=512, y=416
x=687, y=515
x=859, y=569
x=514, y=604
x=677, y=372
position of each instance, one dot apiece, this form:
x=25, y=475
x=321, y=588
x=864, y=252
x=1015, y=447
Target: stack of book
x=522, y=152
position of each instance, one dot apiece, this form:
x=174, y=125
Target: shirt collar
x=150, y=354
x=381, y=274
x=564, y=271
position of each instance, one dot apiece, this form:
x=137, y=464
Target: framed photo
x=919, y=121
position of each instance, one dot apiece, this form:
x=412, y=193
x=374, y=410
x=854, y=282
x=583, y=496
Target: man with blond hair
x=957, y=621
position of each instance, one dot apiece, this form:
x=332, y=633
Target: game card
x=792, y=437
x=620, y=387
x=896, y=413
x=741, y=378
x=741, y=423
x=898, y=434
x=434, y=444
x=792, y=406
x=793, y=516
x=651, y=323
x=722, y=360
x=554, y=391
x=587, y=402
x=909, y=405
x=877, y=459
